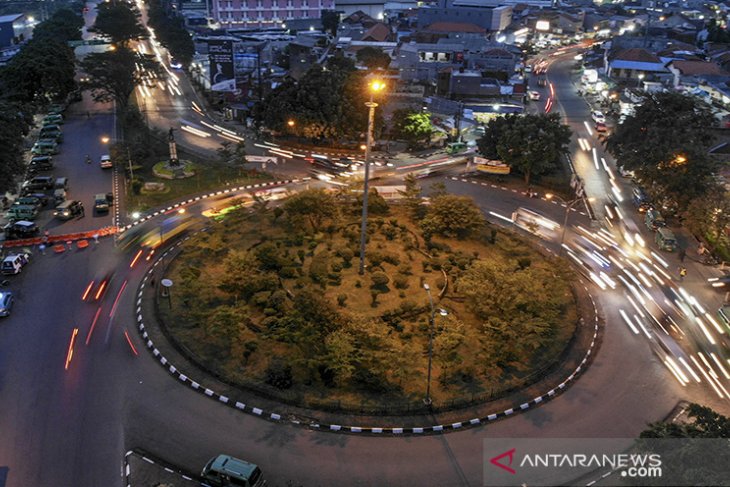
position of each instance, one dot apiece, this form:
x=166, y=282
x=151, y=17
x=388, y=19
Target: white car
x=534, y=95
x=105, y=162
x=598, y=117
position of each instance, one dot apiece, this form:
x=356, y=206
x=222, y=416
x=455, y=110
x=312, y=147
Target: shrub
x=341, y=300
x=301, y=254
x=400, y=282
x=279, y=375
x=261, y=299
x=405, y=269
x=391, y=259
x=380, y=280
x=288, y=272
x=358, y=284
x=375, y=258
x=374, y=297
x=524, y=262
x=346, y=255
x=270, y=311
x=336, y=267
x=407, y=306
x=318, y=269
x=389, y=232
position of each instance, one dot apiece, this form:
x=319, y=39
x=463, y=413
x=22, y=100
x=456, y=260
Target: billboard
x=222, y=75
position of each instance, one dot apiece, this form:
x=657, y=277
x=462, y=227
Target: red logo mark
x=509, y=454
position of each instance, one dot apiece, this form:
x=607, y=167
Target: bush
x=524, y=262
x=405, y=269
x=375, y=258
x=391, y=259
x=389, y=232
x=336, y=267
x=400, y=282
x=341, y=300
x=279, y=375
x=318, y=269
x=288, y=272
x=407, y=306
x=380, y=280
x=346, y=254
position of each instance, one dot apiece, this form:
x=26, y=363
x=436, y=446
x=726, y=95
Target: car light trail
x=676, y=370
x=87, y=291
x=129, y=341
x=719, y=365
x=136, y=258
x=100, y=291
x=116, y=300
x=705, y=331
x=194, y=131
x=691, y=371
x=588, y=127
x=70, y=353
x=595, y=159
x=93, y=325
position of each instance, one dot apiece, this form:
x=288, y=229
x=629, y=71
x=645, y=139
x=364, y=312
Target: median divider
x=61, y=239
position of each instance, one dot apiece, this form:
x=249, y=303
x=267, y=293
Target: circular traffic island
x=271, y=298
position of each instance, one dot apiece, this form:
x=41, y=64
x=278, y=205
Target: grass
x=208, y=176
x=393, y=242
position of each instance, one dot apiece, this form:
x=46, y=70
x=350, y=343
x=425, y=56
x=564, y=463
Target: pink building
x=267, y=13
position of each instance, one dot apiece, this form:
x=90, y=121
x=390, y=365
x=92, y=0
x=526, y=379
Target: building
x=635, y=64
x=13, y=29
x=691, y=73
x=267, y=13
x=491, y=16
x=372, y=8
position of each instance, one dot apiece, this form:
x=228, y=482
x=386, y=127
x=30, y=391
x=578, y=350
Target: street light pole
x=427, y=401
x=375, y=86
x=568, y=207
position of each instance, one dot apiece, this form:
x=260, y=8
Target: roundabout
x=183, y=359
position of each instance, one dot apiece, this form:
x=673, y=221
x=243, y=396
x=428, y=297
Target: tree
x=113, y=75
x=533, y=144
x=377, y=205
x=373, y=58
x=412, y=126
x=330, y=21
x=452, y=216
x=316, y=205
x=665, y=143
x=14, y=125
x=43, y=70
x=65, y=25
x=709, y=216
x=448, y=339
x=243, y=277
x=341, y=355
x=118, y=22
x=493, y=132
x=327, y=102
x=170, y=30
x=701, y=458
x=412, y=197
x=523, y=307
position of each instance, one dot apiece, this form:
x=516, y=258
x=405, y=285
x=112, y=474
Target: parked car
x=21, y=229
x=105, y=162
x=598, y=116
x=39, y=164
x=44, y=147
x=6, y=303
x=51, y=132
x=226, y=471
x=21, y=212
x=55, y=119
x=534, y=95
x=42, y=183
x=29, y=201
x=601, y=127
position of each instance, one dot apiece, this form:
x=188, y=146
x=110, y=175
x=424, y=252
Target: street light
x=106, y=139
x=290, y=123
x=427, y=401
x=568, y=206
x=375, y=87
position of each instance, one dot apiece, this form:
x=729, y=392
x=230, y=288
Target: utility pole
x=457, y=121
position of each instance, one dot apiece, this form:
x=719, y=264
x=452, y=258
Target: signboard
x=222, y=75
x=490, y=166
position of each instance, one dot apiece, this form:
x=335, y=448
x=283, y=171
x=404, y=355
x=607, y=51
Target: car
x=720, y=282
x=542, y=82
x=534, y=95
x=21, y=229
x=69, y=209
x=105, y=162
x=42, y=183
x=14, y=263
x=598, y=116
x=39, y=164
x=601, y=127
x=6, y=303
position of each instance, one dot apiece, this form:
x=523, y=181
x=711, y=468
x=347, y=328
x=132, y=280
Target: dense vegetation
x=272, y=299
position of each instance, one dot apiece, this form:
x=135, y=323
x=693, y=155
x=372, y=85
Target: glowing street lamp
x=375, y=87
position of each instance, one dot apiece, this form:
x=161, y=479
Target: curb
x=269, y=184
x=279, y=418
x=147, y=457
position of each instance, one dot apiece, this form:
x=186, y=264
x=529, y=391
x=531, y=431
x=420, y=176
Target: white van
x=13, y=264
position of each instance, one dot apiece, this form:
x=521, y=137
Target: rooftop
x=695, y=68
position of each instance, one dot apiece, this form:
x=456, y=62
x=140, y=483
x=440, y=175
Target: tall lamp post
x=432, y=317
x=105, y=140
x=375, y=87
x=568, y=206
